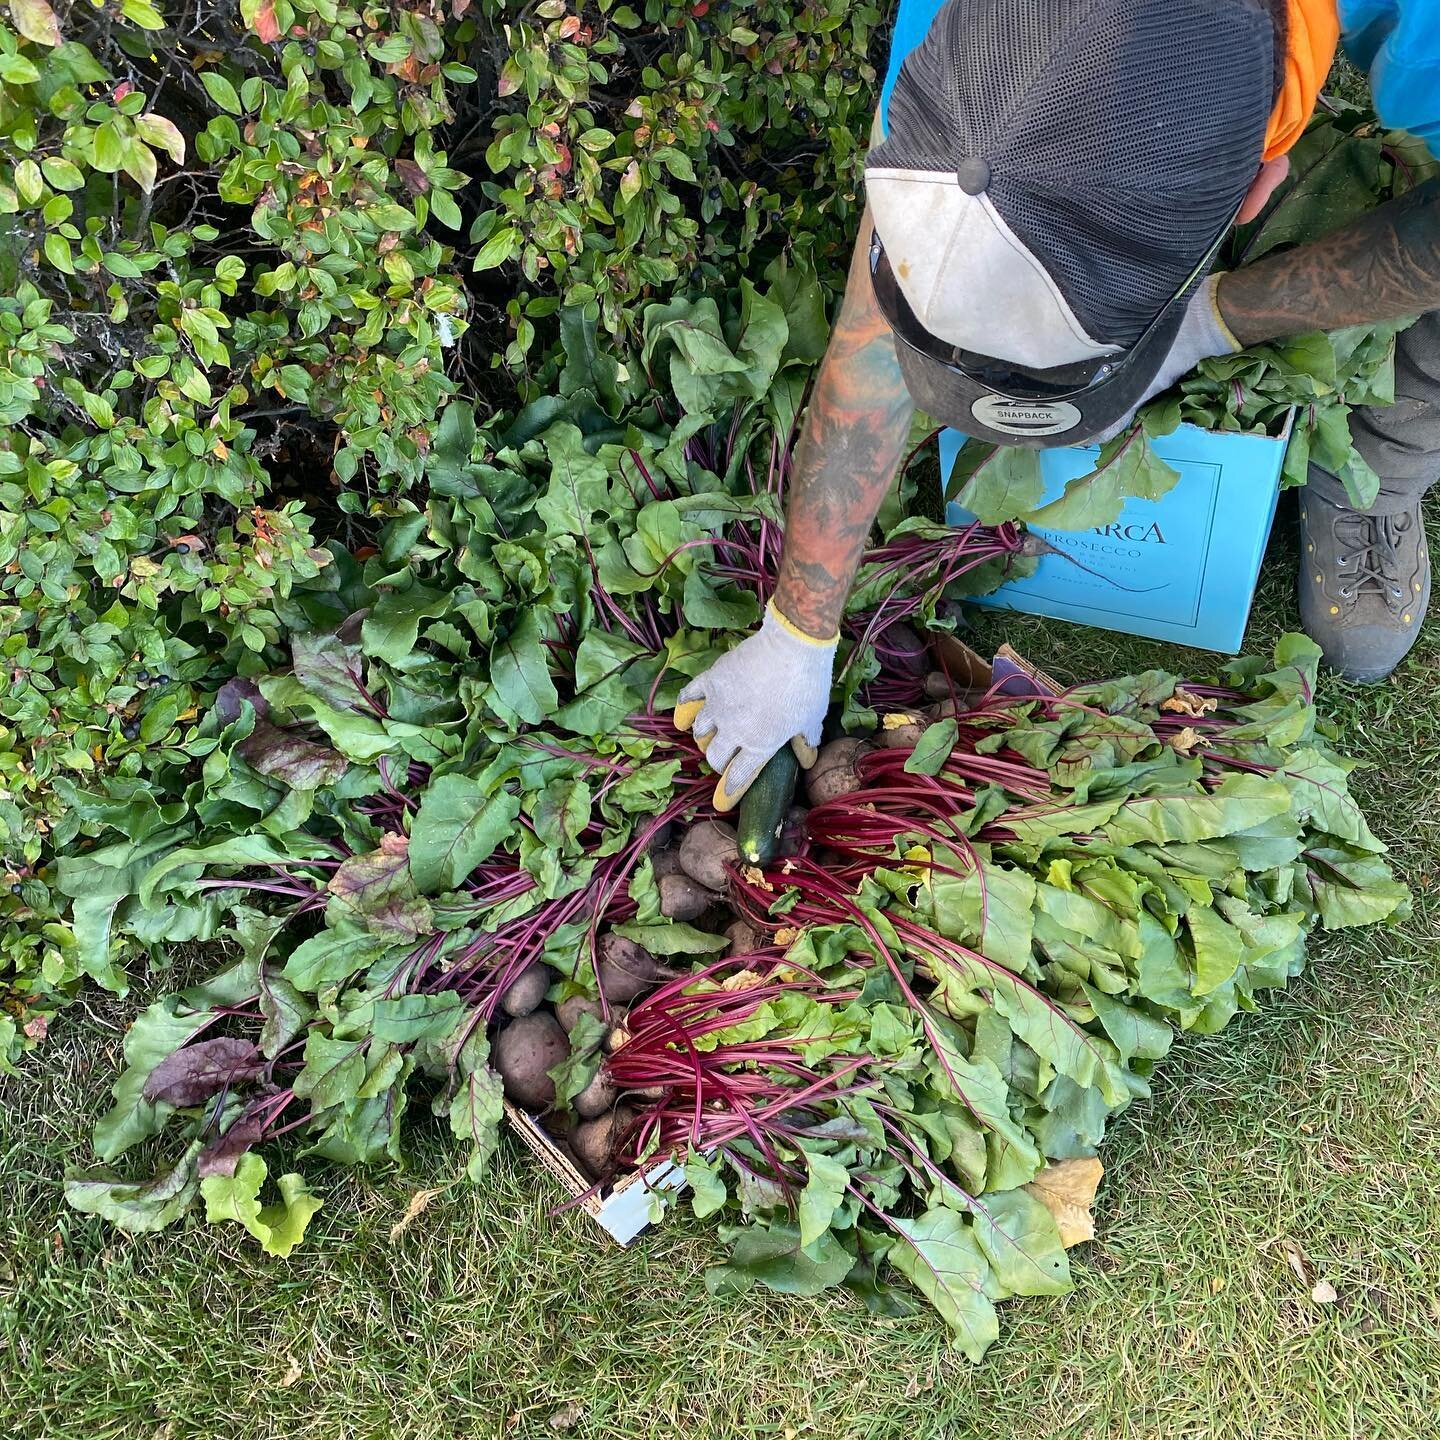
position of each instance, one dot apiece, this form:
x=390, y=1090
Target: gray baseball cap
x=1055, y=179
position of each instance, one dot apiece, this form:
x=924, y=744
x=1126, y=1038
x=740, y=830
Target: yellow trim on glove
x=791, y=628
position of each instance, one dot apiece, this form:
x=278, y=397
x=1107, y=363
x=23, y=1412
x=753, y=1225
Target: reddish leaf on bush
x=191, y=1075
x=416, y=181
x=259, y=15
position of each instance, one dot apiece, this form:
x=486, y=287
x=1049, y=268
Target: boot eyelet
x=1346, y=592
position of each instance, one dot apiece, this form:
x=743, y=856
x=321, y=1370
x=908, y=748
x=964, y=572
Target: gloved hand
x=772, y=689
x=1202, y=334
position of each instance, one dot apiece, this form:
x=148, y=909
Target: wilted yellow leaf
x=1067, y=1190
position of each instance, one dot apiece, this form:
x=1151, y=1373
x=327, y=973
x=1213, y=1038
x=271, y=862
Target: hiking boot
x=1364, y=584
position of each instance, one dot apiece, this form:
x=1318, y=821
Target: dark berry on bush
x=131, y=729
x=17, y=888
x=182, y=549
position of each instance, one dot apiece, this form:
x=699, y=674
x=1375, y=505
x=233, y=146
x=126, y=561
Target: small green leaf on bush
x=109, y=147
x=61, y=173
x=59, y=254
x=139, y=164
x=445, y=210
x=221, y=91
x=143, y=14
x=498, y=249
x=29, y=182
x=17, y=70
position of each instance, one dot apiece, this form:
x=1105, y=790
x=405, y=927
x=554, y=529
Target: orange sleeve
x=1314, y=32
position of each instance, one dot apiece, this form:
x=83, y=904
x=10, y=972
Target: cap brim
x=1077, y=418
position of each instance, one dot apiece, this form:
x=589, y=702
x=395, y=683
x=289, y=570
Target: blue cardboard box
x=1182, y=568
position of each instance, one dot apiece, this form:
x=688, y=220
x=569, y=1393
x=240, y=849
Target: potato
x=596, y=1098
x=524, y=1051
x=744, y=938
x=569, y=1011
x=833, y=773
x=627, y=970
x=525, y=992
x=595, y=1141
x=666, y=862
x=900, y=729
x=705, y=851
x=682, y=898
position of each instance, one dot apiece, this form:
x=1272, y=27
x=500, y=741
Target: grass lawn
x=1305, y=1137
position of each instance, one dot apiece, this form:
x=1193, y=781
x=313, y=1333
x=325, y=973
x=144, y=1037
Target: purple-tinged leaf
x=190, y=1076
x=221, y=1155
x=288, y=756
x=378, y=890
x=233, y=694
x=331, y=669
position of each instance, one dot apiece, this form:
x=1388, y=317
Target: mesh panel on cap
x=1120, y=188
x=1121, y=134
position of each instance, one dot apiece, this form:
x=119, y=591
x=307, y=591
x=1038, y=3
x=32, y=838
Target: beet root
x=706, y=850
x=525, y=992
x=900, y=730
x=596, y=1141
x=834, y=773
x=627, y=970
x=744, y=938
x=569, y=1011
x=596, y=1098
x=682, y=898
x=524, y=1051
x=666, y=861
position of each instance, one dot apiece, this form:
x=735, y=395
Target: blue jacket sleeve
x=1398, y=42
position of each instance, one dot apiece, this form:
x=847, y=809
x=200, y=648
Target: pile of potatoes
x=692, y=871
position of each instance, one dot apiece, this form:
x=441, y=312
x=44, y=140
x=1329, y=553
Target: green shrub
x=246, y=274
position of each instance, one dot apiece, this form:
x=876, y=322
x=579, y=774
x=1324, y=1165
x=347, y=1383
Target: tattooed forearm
x=851, y=446
x=1383, y=266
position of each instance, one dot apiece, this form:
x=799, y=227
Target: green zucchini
x=764, y=805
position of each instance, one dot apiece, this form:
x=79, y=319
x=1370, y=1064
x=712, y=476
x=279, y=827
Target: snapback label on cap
x=1025, y=417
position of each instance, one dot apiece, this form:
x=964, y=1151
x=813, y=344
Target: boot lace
x=1369, y=555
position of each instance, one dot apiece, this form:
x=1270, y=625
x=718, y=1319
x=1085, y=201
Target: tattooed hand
x=851, y=446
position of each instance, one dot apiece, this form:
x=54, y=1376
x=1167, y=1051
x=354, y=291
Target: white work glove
x=771, y=690
x=1203, y=333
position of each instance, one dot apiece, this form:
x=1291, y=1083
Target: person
x=1047, y=186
